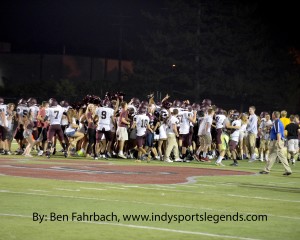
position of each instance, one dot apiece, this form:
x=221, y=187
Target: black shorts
x=3, y=133
x=19, y=133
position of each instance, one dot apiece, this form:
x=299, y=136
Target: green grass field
x=273, y=195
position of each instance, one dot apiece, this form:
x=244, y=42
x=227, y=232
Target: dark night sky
x=89, y=27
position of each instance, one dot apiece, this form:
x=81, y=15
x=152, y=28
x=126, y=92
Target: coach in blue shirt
x=276, y=146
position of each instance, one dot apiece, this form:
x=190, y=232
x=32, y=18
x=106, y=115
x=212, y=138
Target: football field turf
x=207, y=207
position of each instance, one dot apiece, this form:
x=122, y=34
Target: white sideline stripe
x=136, y=202
x=100, y=189
x=68, y=190
x=37, y=190
x=263, y=198
x=170, y=190
x=172, y=230
x=130, y=186
x=116, y=188
x=163, y=186
x=146, y=227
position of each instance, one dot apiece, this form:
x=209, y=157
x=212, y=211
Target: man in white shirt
x=252, y=132
x=172, y=133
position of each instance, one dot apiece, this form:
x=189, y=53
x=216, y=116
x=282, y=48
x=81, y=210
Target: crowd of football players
x=146, y=130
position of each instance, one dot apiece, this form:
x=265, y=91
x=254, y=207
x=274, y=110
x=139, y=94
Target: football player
x=187, y=118
x=234, y=137
x=105, y=115
x=3, y=127
x=54, y=114
x=22, y=109
x=141, y=123
x=33, y=112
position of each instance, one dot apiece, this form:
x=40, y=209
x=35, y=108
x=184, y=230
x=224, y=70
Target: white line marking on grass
x=147, y=228
x=170, y=230
x=116, y=188
x=163, y=186
x=68, y=190
x=37, y=190
x=170, y=190
x=263, y=198
x=130, y=186
x=100, y=189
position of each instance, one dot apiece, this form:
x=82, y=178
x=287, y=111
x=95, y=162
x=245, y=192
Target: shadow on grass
x=271, y=187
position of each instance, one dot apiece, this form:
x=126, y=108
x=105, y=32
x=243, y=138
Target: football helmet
x=166, y=104
x=206, y=102
x=31, y=102
x=235, y=115
x=52, y=102
x=164, y=114
x=131, y=111
x=263, y=114
x=22, y=101
x=177, y=104
x=142, y=109
x=106, y=103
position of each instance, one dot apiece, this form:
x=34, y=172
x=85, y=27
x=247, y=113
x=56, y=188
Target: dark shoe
x=263, y=172
x=234, y=164
x=287, y=173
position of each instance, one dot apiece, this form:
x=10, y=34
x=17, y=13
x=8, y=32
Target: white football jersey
x=3, y=109
x=54, y=114
x=34, y=112
x=184, y=127
x=235, y=135
x=64, y=119
x=22, y=110
x=142, y=122
x=104, y=114
x=220, y=121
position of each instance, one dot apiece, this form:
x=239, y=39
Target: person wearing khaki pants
x=276, y=146
x=252, y=132
x=172, y=133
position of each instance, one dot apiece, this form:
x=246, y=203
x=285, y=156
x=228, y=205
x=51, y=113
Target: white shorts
x=293, y=145
x=122, y=134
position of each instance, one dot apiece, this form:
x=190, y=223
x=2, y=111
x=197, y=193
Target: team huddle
x=145, y=130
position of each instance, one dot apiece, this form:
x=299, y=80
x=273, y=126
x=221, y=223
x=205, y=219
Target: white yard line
x=116, y=188
x=68, y=190
x=263, y=198
x=37, y=190
x=147, y=228
x=98, y=189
